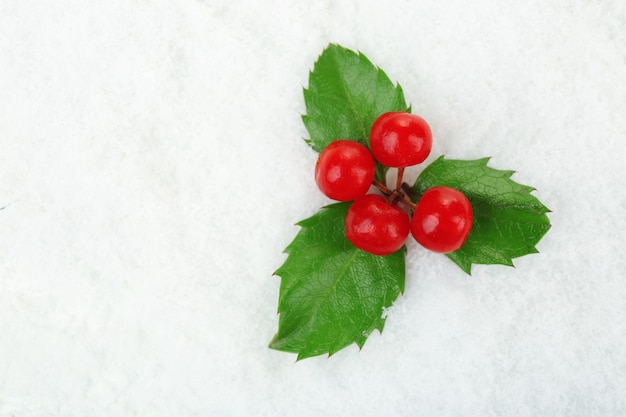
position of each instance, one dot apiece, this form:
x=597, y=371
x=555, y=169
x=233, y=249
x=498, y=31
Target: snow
x=152, y=167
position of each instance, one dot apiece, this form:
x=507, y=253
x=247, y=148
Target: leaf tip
x=366, y=59
x=279, y=271
x=272, y=344
x=304, y=355
x=484, y=161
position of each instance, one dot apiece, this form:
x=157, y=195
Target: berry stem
x=399, y=178
x=397, y=196
x=382, y=187
x=408, y=202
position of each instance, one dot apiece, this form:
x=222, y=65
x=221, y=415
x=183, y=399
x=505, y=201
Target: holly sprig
x=333, y=294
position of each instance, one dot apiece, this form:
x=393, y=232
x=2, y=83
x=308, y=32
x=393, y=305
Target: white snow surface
x=152, y=167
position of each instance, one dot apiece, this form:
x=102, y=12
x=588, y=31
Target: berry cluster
x=440, y=221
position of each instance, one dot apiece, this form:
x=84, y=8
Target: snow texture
x=152, y=167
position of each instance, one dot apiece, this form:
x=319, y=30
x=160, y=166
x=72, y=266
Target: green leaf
x=345, y=96
x=508, y=220
x=332, y=294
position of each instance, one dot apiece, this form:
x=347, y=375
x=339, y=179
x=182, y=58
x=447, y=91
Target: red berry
x=442, y=219
x=400, y=139
x=375, y=226
x=345, y=170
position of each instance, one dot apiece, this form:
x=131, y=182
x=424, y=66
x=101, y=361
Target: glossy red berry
x=442, y=219
x=345, y=170
x=400, y=139
x=375, y=226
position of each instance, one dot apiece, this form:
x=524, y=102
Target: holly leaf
x=346, y=94
x=331, y=293
x=508, y=220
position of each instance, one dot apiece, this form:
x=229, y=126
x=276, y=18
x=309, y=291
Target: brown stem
x=382, y=187
x=399, y=178
x=407, y=202
x=397, y=196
